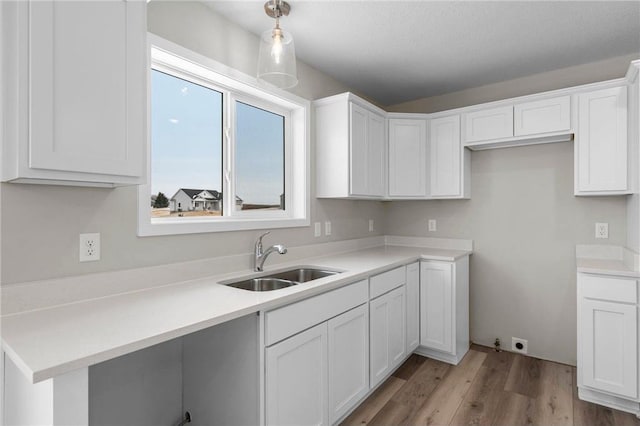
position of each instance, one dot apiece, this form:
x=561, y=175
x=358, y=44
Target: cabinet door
x=348, y=360
x=436, y=306
x=445, y=157
x=548, y=115
x=87, y=64
x=601, y=142
x=407, y=158
x=376, y=156
x=608, y=333
x=359, y=149
x=413, y=306
x=489, y=124
x=296, y=379
x=387, y=333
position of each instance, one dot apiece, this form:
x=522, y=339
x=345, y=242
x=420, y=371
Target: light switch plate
x=327, y=228
x=370, y=225
x=317, y=232
x=432, y=225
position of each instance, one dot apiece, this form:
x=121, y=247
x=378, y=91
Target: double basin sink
x=282, y=279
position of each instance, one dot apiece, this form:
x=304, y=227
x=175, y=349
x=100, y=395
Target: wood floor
x=486, y=388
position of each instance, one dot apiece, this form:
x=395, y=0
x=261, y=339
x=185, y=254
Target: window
x=224, y=153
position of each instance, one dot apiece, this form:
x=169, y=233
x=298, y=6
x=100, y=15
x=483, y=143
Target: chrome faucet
x=260, y=256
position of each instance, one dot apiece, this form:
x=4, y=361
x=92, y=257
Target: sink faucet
x=261, y=256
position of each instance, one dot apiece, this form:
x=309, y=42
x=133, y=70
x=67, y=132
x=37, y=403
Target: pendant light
x=277, y=58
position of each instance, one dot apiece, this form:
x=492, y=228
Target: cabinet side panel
x=461, y=306
x=332, y=150
x=26, y=403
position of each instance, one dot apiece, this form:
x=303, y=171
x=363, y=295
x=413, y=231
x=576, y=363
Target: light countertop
x=606, y=267
x=607, y=260
x=48, y=342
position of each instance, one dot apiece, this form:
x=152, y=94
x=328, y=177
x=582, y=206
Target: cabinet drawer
x=608, y=288
x=386, y=281
x=289, y=320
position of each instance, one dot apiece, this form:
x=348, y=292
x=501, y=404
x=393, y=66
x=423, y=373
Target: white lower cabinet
x=413, y=306
x=348, y=360
x=387, y=341
x=444, y=309
x=608, y=340
x=296, y=379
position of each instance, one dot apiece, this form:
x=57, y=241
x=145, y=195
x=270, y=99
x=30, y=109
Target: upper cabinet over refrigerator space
x=76, y=92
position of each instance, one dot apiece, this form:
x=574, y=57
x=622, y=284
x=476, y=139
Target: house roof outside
x=193, y=193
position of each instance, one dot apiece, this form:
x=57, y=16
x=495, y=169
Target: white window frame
x=235, y=86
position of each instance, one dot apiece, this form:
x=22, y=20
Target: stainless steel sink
x=282, y=279
x=302, y=275
x=262, y=284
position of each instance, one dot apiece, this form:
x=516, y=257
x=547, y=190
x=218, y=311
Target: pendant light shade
x=277, y=57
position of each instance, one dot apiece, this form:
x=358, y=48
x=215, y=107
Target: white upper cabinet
x=76, y=74
x=407, y=158
x=350, y=148
x=601, y=151
x=487, y=124
x=449, y=162
x=544, y=116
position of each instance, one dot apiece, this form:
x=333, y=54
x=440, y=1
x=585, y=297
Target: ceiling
x=396, y=51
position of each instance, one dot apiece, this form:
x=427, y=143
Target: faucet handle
x=259, y=240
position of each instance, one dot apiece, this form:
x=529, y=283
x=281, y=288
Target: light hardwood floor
x=486, y=388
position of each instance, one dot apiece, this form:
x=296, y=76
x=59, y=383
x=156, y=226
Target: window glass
x=259, y=158
x=186, y=148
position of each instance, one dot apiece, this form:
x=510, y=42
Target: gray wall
x=524, y=221
x=41, y=224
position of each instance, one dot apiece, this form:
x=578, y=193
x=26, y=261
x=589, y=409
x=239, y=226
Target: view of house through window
x=188, y=152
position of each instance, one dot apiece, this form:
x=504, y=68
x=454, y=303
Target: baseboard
x=609, y=401
x=440, y=356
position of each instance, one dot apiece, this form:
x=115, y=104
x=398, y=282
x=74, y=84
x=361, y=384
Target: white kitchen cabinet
x=350, y=148
x=348, y=360
x=487, y=124
x=387, y=334
x=75, y=100
x=444, y=309
x=413, y=306
x=407, y=157
x=543, y=116
x=607, y=337
x=601, y=147
x=296, y=379
x=449, y=161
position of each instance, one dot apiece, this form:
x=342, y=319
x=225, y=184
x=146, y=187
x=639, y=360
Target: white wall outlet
x=370, y=225
x=519, y=345
x=432, y=225
x=89, y=247
x=602, y=230
x=317, y=231
x=327, y=228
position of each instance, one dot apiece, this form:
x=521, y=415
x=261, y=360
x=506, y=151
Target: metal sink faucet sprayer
x=260, y=256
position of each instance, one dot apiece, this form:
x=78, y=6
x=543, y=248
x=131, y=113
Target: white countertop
x=607, y=260
x=48, y=342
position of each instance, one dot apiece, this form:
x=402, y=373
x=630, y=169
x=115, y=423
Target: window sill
x=218, y=225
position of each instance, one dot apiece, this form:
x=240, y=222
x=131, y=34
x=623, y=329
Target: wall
x=41, y=224
x=524, y=221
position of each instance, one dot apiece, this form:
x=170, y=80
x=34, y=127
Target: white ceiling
x=395, y=51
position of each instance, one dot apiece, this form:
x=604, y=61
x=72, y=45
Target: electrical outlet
x=602, y=230
x=89, y=247
x=432, y=225
x=519, y=345
x=327, y=228
x=370, y=225
x=317, y=232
